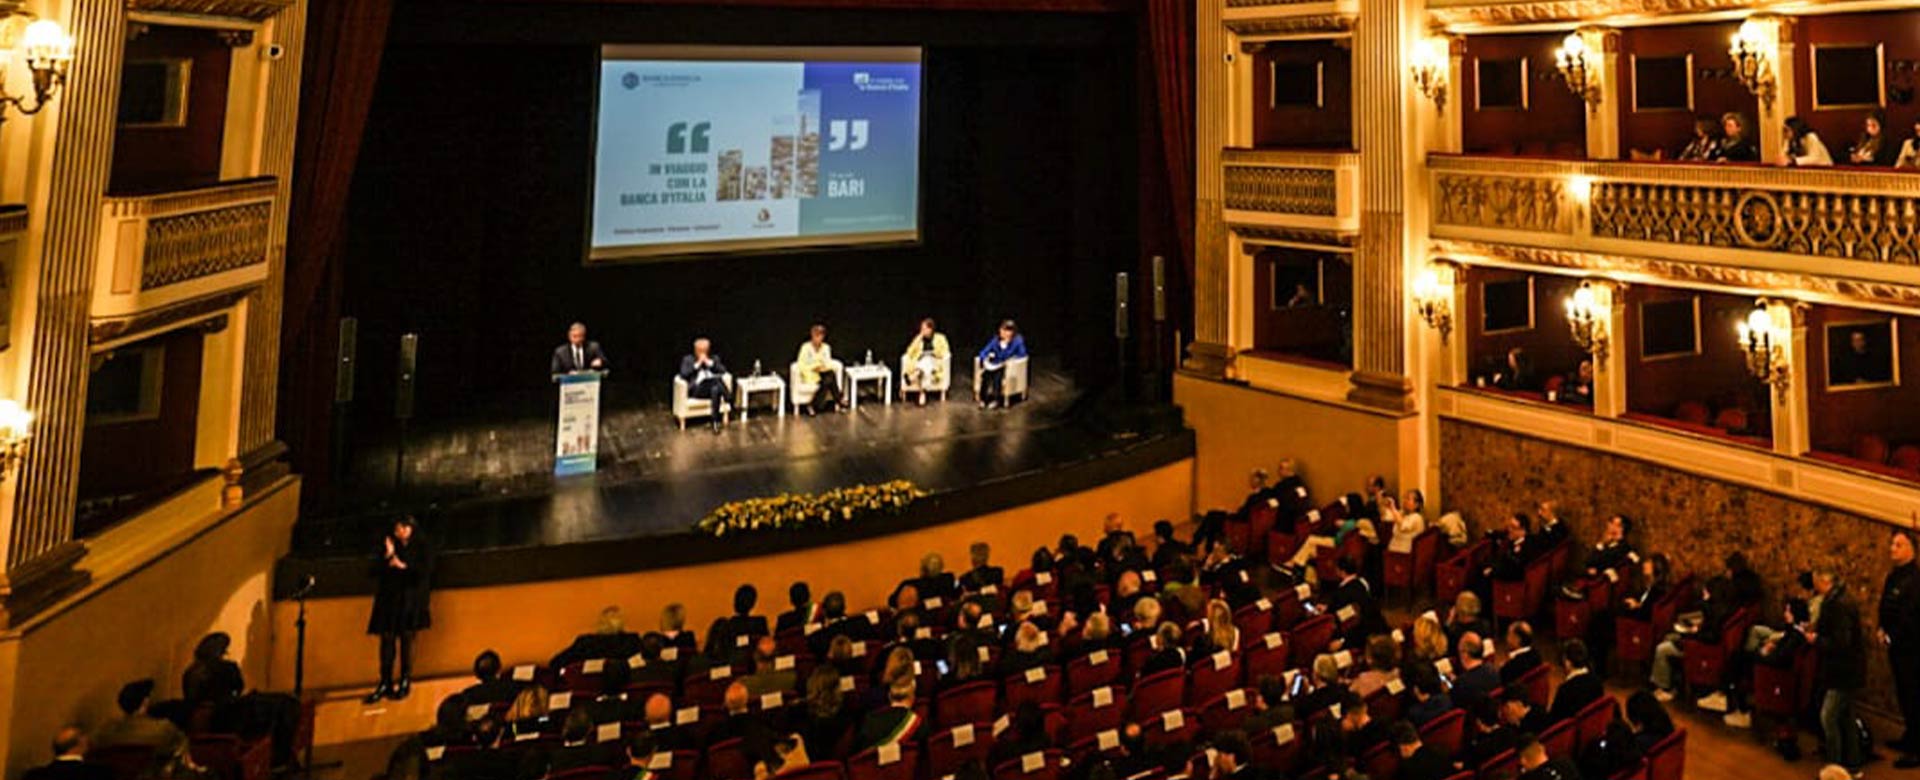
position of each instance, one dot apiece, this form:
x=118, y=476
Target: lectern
x=576, y=438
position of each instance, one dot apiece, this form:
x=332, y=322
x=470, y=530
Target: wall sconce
x=47, y=50
x=1432, y=62
x=1576, y=68
x=1766, y=357
x=1753, y=52
x=1433, y=298
x=1587, y=320
x=16, y=426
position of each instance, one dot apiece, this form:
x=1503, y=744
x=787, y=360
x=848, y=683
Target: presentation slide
x=720, y=149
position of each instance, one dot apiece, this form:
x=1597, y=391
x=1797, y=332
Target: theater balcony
x=1837, y=230
x=1281, y=190
x=165, y=248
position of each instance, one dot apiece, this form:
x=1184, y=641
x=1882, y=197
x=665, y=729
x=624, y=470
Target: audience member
x=1873, y=147
x=804, y=612
x=1520, y=655
x=1536, y=765
x=1580, y=687
x=137, y=726
x=732, y=636
x=1842, y=673
x=1910, y=149
x=1477, y=678
x=1404, y=519
x=1418, y=761
x=1738, y=142
x=1430, y=698
x=895, y=723
x=1803, y=146
x=609, y=639
x=1705, y=143
x=1383, y=666
x=1899, y=620
x=983, y=577
x=70, y=760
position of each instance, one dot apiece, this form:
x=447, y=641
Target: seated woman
x=1873, y=147
x=1706, y=140
x=1518, y=372
x=1578, y=387
x=1005, y=346
x=214, y=681
x=926, y=362
x=1429, y=642
x=1804, y=149
x=1737, y=141
x=1909, y=156
x=1355, y=522
x=1404, y=520
x=1221, y=633
x=817, y=366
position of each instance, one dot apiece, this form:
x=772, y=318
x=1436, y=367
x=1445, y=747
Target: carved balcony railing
x=1808, y=227
x=1306, y=191
x=161, y=249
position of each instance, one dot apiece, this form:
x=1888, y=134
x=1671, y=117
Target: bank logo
x=630, y=80
x=862, y=78
x=764, y=215
x=677, y=138
x=847, y=135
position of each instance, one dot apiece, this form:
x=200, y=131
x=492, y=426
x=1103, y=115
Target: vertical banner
x=577, y=437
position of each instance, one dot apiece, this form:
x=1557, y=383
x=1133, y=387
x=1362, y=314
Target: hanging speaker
x=1159, y=289
x=403, y=378
x=344, y=370
x=1120, y=305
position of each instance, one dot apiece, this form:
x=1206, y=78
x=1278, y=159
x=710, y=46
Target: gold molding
x=250, y=10
x=262, y=188
x=13, y=220
x=1256, y=236
x=1541, y=205
x=1292, y=158
x=1882, y=294
x=1281, y=190
x=1863, y=181
x=1482, y=12
x=1292, y=25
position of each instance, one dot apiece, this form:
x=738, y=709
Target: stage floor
x=490, y=487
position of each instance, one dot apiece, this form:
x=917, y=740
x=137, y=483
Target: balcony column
x=1388, y=145
x=1445, y=135
x=1610, y=373
x=1790, y=403
x=1210, y=354
x=1603, y=116
x=1240, y=102
x=261, y=352
x=1777, y=39
x=40, y=551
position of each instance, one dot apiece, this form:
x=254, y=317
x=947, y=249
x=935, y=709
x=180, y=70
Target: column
x=1610, y=372
x=1210, y=354
x=1603, y=115
x=1387, y=145
x=262, y=350
x=1782, y=100
x=40, y=550
x=1790, y=407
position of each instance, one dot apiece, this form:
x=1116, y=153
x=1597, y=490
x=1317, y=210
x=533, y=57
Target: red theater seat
x=946, y=753
x=870, y=765
x=1731, y=420
x=1212, y=676
x=1040, y=685
x=1158, y=692
x=1593, y=720
x=1691, y=412
x=1050, y=765
x=1906, y=457
x=1093, y=670
x=1311, y=638
x=1706, y=664
x=727, y=760
x=1446, y=733
x=1667, y=760
x=1093, y=712
x=1870, y=448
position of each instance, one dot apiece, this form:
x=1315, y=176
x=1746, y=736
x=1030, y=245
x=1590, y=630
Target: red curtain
x=1170, y=49
x=344, y=41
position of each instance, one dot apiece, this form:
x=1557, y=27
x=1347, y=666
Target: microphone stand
x=300, y=674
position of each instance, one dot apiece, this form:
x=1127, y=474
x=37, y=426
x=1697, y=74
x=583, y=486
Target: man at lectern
x=578, y=354
x=706, y=377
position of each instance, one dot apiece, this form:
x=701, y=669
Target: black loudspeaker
x=1121, y=310
x=343, y=372
x=1159, y=289
x=403, y=378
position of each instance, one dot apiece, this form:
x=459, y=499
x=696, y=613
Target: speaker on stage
x=403, y=378
x=1159, y=289
x=1121, y=310
x=343, y=372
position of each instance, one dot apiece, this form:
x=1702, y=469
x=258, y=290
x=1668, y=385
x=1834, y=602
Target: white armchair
x=1014, y=383
x=686, y=407
x=801, y=391
x=909, y=377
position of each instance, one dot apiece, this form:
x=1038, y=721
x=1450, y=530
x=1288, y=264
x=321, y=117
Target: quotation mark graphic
x=677, y=138
x=837, y=135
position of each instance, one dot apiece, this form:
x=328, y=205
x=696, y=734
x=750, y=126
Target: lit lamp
x=1432, y=60
x=1587, y=321
x=1766, y=358
x=47, y=50
x=16, y=426
x=1752, y=51
x=1576, y=69
x=1433, y=298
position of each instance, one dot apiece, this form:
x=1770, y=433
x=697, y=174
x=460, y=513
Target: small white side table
x=746, y=386
x=877, y=372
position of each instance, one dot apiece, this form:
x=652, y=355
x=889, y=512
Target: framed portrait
x=1670, y=329
x=153, y=92
x=1662, y=83
x=1296, y=84
x=1500, y=84
x=1506, y=306
x=1862, y=355
x=1849, y=76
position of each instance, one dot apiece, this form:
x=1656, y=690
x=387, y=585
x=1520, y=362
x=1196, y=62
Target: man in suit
x=1581, y=686
x=732, y=636
x=484, y=762
x=578, y=354
x=983, y=575
x=706, y=378
x=756, y=737
x=767, y=677
x=1535, y=765
x=489, y=687
x=1514, y=548
x=1233, y=758
x=1356, y=593
x=1475, y=679
x=804, y=612
x=1418, y=761
x=893, y=724
x=666, y=734
x=70, y=760
x=1521, y=657
x=1520, y=715
x=609, y=639
x=139, y=727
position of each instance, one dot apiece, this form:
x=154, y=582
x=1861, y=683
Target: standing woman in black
x=404, y=567
x=1900, y=632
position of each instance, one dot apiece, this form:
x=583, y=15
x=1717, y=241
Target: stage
x=487, y=497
